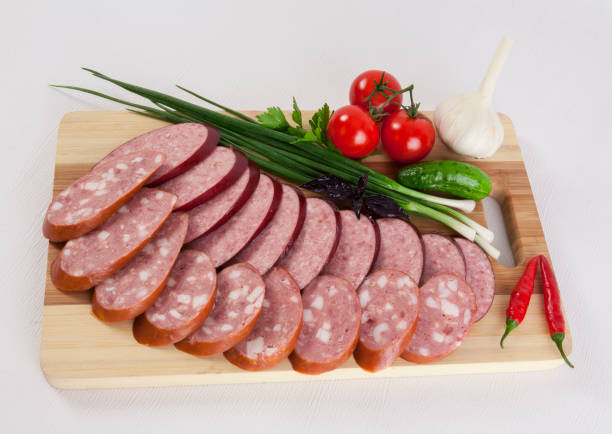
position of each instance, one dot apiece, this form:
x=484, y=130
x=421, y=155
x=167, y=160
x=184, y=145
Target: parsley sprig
x=275, y=119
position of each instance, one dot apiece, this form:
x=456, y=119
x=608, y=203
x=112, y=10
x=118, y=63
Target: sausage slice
x=479, y=275
x=357, y=248
x=183, y=305
x=442, y=256
x=446, y=315
x=330, y=327
x=205, y=180
x=94, y=197
x=185, y=145
x=88, y=260
x=389, y=308
x=316, y=242
x=279, y=235
x=238, y=304
x=134, y=288
x=277, y=328
x=400, y=248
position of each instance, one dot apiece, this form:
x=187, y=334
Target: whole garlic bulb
x=467, y=123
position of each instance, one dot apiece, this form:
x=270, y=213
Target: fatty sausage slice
x=357, y=248
x=278, y=236
x=135, y=287
x=185, y=145
x=400, y=248
x=330, y=327
x=213, y=213
x=91, y=259
x=446, y=315
x=238, y=304
x=479, y=275
x=442, y=256
x=183, y=305
x=316, y=242
x=205, y=180
x=389, y=308
x=226, y=241
x=277, y=328
x=94, y=197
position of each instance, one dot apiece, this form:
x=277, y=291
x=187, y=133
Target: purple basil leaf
x=384, y=206
x=334, y=187
x=358, y=193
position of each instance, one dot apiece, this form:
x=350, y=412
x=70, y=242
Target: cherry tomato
x=353, y=132
x=363, y=86
x=407, y=139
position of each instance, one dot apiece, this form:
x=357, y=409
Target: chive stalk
x=301, y=162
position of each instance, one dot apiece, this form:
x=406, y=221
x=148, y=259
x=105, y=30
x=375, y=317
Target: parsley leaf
x=273, y=118
x=297, y=114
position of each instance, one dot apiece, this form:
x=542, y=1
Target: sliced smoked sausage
x=357, y=248
x=446, y=315
x=441, y=256
x=279, y=235
x=183, y=305
x=134, y=288
x=400, y=248
x=330, y=325
x=479, y=275
x=316, y=242
x=217, y=172
x=227, y=240
x=94, y=257
x=277, y=328
x=185, y=145
x=238, y=304
x=94, y=197
x=389, y=308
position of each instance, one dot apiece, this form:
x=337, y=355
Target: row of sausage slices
x=207, y=253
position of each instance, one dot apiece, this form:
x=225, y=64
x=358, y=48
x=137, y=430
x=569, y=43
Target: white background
x=556, y=87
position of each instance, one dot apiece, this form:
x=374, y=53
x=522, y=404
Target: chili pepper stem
x=511, y=324
x=558, y=339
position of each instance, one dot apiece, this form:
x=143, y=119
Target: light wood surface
x=79, y=351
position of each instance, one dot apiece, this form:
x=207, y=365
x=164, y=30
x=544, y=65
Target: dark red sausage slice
x=316, y=242
x=330, y=326
x=400, y=248
x=88, y=260
x=185, y=145
x=238, y=304
x=277, y=327
x=213, y=213
x=205, y=180
x=183, y=305
x=479, y=275
x=446, y=315
x=389, y=308
x=94, y=197
x=226, y=241
x=442, y=256
x=278, y=236
x=134, y=288
x=357, y=248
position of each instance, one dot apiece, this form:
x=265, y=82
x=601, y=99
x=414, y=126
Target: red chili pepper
x=519, y=300
x=552, y=306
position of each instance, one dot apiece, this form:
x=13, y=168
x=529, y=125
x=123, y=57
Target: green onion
x=301, y=162
x=222, y=107
x=257, y=131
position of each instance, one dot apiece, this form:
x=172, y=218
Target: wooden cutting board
x=78, y=351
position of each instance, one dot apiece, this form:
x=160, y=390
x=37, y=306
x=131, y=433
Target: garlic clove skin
x=468, y=125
